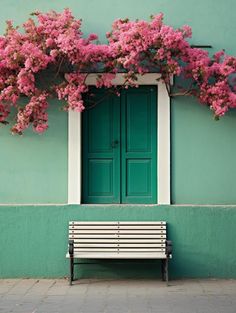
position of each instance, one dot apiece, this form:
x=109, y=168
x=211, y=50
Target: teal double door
x=120, y=147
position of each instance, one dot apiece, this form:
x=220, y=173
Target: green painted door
x=120, y=147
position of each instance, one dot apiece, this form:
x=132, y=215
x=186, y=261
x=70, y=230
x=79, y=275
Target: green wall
x=35, y=240
x=203, y=153
x=34, y=168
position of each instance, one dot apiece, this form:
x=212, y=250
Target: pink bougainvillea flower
x=53, y=42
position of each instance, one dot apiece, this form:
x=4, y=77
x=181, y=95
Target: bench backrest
x=118, y=239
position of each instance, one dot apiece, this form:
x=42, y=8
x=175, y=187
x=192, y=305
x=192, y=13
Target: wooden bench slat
x=115, y=240
x=118, y=236
x=122, y=255
x=130, y=227
x=119, y=250
x=104, y=242
x=121, y=231
x=124, y=245
x=117, y=223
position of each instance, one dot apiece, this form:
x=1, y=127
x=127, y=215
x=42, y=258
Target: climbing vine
x=52, y=44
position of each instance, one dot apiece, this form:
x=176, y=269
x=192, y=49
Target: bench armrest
x=71, y=248
x=168, y=247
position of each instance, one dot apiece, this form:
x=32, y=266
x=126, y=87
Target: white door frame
x=163, y=140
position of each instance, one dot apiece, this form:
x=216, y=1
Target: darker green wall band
x=34, y=240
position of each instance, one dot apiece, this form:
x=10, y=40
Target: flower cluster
x=55, y=42
x=214, y=79
x=142, y=46
x=33, y=112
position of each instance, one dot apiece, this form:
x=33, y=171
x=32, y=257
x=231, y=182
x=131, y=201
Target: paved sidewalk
x=117, y=296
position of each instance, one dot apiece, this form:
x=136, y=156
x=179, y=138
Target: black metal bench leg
x=71, y=253
x=167, y=271
x=71, y=270
x=163, y=270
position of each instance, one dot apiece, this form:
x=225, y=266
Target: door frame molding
x=163, y=140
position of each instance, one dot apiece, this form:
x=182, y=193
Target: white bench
x=119, y=240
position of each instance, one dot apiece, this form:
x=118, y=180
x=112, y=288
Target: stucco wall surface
x=33, y=240
x=34, y=168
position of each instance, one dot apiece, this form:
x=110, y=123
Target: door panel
x=100, y=121
x=138, y=151
x=137, y=122
x=100, y=174
x=101, y=157
x=137, y=168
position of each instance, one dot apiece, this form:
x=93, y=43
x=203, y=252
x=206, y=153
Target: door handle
x=114, y=143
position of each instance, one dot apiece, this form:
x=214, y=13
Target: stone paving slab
x=117, y=296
